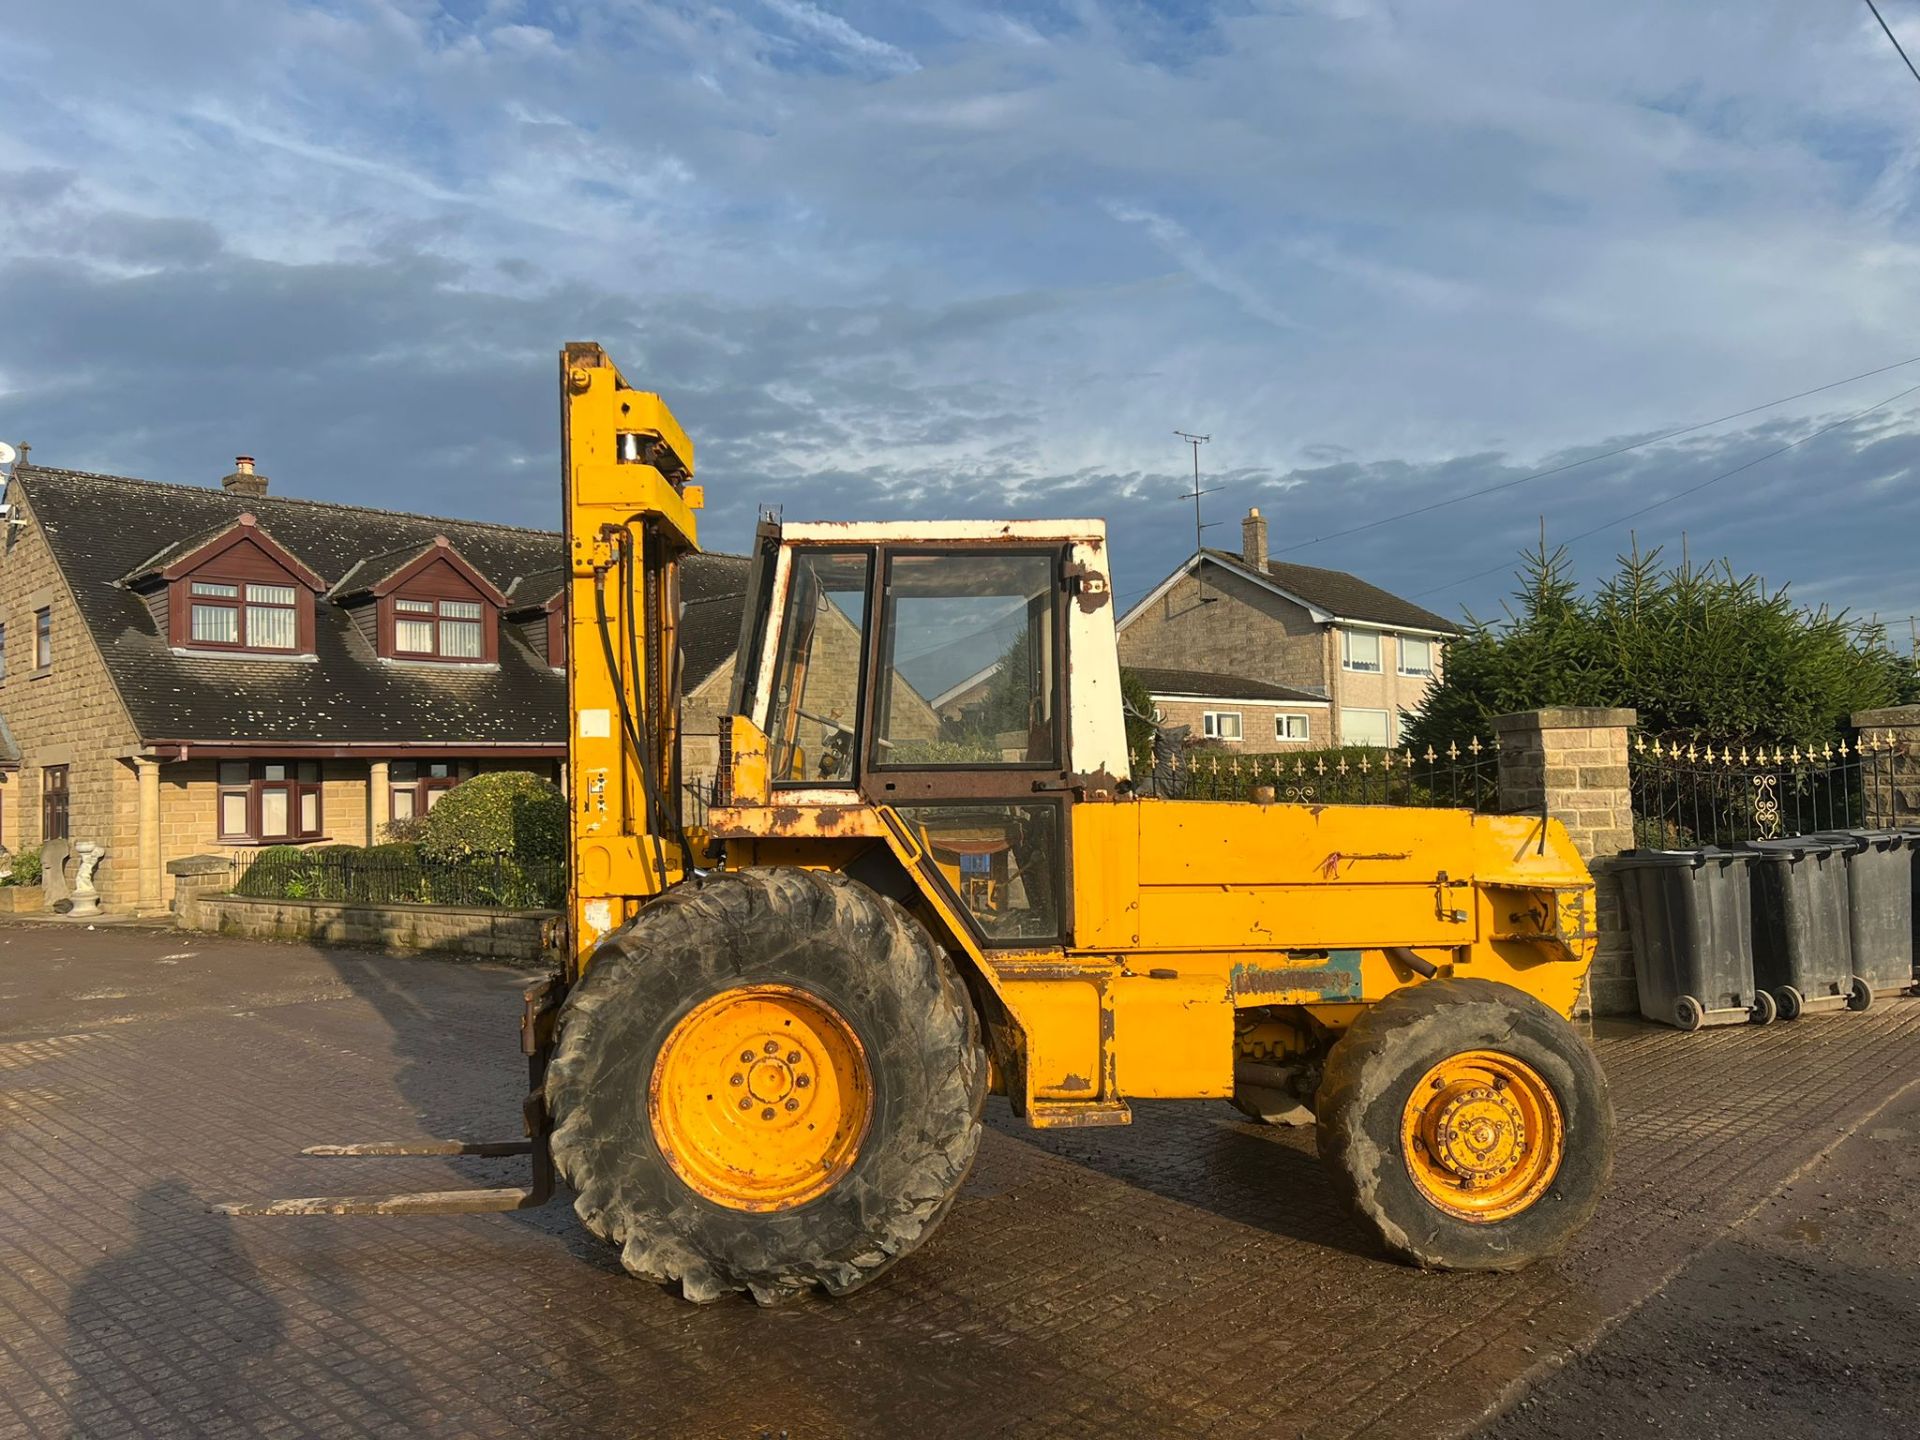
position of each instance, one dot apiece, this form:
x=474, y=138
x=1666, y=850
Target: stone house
x=1255, y=715
x=1366, y=655
x=205, y=670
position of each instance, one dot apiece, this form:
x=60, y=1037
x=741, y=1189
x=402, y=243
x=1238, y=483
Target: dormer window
x=439, y=629
x=424, y=604
x=233, y=589
x=243, y=615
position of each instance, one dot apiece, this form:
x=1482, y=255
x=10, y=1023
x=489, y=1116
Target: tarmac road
x=1803, y=1321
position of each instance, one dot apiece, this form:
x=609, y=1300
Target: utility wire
x=1891, y=36
x=1589, y=460
x=1691, y=489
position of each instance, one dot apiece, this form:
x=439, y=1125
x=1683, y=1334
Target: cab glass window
x=816, y=691
x=1002, y=861
x=968, y=671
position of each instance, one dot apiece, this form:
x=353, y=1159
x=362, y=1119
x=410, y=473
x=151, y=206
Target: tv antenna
x=1200, y=527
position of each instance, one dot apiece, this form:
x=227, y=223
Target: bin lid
x=1793, y=847
x=1677, y=859
x=1863, y=839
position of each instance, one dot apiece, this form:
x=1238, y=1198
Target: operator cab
x=963, y=674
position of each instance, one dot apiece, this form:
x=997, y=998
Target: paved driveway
x=1190, y=1275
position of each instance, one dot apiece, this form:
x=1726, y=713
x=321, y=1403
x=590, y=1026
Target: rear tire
x=1496, y=1070
x=642, y=1089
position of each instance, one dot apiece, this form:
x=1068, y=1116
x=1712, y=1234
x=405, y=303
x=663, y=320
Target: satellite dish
x=7, y=453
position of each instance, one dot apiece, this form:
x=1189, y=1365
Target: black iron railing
x=1461, y=776
x=392, y=875
x=1688, y=794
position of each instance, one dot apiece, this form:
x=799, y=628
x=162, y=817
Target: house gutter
x=176, y=750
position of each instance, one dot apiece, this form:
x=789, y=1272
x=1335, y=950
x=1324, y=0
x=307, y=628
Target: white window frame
x=1400, y=643
x=1210, y=725
x=1386, y=724
x=1280, y=719
x=1347, y=662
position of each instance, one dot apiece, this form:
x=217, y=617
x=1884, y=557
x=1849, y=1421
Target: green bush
x=26, y=868
x=281, y=872
x=509, y=813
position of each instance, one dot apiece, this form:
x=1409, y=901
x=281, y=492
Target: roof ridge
x=272, y=499
x=330, y=505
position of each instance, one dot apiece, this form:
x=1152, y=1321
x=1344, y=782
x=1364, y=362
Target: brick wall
x=69, y=715
x=1256, y=721
x=1892, y=779
x=190, y=805
x=1245, y=630
x=1574, y=762
x=401, y=929
x=1385, y=689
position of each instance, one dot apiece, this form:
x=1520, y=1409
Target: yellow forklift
x=927, y=876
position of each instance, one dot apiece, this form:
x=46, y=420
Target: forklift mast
x=626, y=473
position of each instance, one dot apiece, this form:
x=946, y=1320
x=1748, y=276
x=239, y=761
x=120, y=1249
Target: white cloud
x=824, y=25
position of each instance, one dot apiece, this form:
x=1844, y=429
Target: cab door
x=965, y=728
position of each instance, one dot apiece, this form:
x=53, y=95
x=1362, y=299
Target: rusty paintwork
x=794, y=822
x=1334, y=976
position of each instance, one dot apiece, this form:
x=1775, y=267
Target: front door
x=965, y=733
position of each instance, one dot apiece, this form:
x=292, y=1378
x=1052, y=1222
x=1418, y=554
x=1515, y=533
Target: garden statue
x=86, y=899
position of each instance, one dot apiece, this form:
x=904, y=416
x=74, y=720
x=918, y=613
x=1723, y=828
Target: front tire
x=770, y=1080
x=1467, y=1125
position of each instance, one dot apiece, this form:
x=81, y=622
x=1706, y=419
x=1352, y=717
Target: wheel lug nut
x=736, y=1080
x=793, y=1057
x=745, y=1103
x=802, y=1081
x=746, y=1057
x=793, y=1104
x=767, y=1114
x=772, y=1047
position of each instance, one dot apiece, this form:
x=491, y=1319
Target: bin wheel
x=1765, y=1008
x=1860, y=996
x=1790, y=1002
x=1689, y=1014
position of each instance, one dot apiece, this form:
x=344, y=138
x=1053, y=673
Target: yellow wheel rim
x=761, y=1097
x=1482, y=1135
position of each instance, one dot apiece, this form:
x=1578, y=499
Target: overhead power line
x=1900, y=49
x=1498, y=486
x=1619, y=520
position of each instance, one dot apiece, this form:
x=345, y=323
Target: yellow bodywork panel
x=1187, y=912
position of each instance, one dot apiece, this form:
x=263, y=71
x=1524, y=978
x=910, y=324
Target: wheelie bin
x=1880, y=884
x=1802, y=941
x=1691, y=918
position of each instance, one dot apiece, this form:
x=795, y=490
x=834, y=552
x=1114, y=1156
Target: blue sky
x=961, y=259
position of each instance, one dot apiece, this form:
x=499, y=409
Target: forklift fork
x=540, y=1007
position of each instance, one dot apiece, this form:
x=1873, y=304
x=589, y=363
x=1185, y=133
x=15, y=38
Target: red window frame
x=252, y=781
x=433, y=612
x=423, y=780
x=241, y=602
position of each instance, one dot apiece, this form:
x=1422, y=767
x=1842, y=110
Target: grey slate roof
x=1218, y=687
x=1346, y=596
x=100, y=527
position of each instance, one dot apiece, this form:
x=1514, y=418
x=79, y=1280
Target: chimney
x=243, y=480
x=1253, y=539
